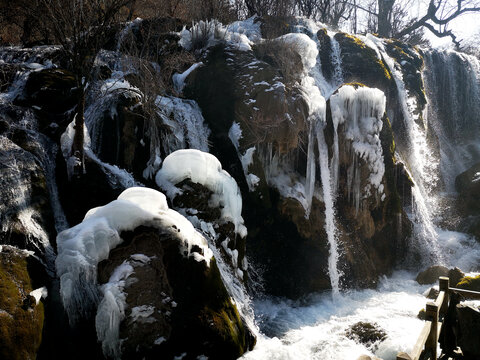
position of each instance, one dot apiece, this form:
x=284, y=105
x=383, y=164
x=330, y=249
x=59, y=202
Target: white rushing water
x=317, y=329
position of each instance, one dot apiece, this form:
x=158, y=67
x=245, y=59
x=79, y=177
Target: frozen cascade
x=422, y=165
x=48, y=159
x=452, y=83
x=361, y=111
x=308, y=49
x=329, y=199
x=336, y=58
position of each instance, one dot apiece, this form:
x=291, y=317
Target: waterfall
x=452, y=82
x=329, y=198
x=421, y=163
x=336, y=59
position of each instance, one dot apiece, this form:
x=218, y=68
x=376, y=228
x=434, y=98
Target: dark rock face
x=361, y=64
x=181, y=299
x=469, y=331
x=21, y=320
x=467, y=185
x=194, y=203
x=229, y=91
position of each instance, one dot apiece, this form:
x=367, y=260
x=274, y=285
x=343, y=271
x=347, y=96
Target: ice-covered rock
x=205, y=169
x=142, y=252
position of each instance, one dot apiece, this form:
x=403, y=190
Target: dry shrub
x=281, y=55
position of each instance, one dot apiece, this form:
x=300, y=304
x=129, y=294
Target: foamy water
x=317, y=328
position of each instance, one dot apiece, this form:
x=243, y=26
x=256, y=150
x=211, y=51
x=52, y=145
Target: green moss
x=356, y=84
x=361, y=63
x=469, y=283
x=20, y=329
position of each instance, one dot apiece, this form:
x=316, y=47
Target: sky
x=465, y=26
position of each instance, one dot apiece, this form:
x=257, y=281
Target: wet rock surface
x=171, y=298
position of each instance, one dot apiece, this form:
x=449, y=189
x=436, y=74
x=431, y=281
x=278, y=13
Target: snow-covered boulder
x=209, y=197
x=150, y=281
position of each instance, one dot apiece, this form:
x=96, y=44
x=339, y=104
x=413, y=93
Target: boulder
x=469, y=331
x=455, y=275
x=53, y=90
x=256, y=92
x=171, y=298
x=431, y=275
x=467, y=185
x=21, y=318
x=432, y=293
x=366, y=333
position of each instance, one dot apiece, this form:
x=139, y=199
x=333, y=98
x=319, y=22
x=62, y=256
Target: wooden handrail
x=469, y=294
x=435, y=311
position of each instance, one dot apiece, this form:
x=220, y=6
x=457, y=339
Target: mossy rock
x=361, y=64
x=412, y=64
x=469, y=283
x=422, y=315
x=20, y=325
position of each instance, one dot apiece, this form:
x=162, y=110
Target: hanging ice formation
x=361, y=111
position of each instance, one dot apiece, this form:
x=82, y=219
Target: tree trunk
x=385, y=8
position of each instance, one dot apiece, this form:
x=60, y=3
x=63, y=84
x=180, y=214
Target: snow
x=117, y=83
x=205, y=169
x=239, y=35
x=111, y=310
x=143, y=314
x=38, y=293
x=160, y=340
x=179, y=79
x=304, y=46
x=82, y=247
x=361, y=110
x=235, y=134
x=144, y=259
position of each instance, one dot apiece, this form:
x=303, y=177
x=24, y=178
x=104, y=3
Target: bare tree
x=82, y=27
x=391, y=18
x=439, y=14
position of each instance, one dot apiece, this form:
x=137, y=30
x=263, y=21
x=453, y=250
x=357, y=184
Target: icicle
x=329, y=199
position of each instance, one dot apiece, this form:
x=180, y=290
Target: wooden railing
x=434, y=314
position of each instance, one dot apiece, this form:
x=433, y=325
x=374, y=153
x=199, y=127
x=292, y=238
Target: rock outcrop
x=173, y=299
x=469, y=331
x=21, y=314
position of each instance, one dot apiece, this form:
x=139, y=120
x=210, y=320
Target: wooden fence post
x=432, y=315
x=444, y=285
